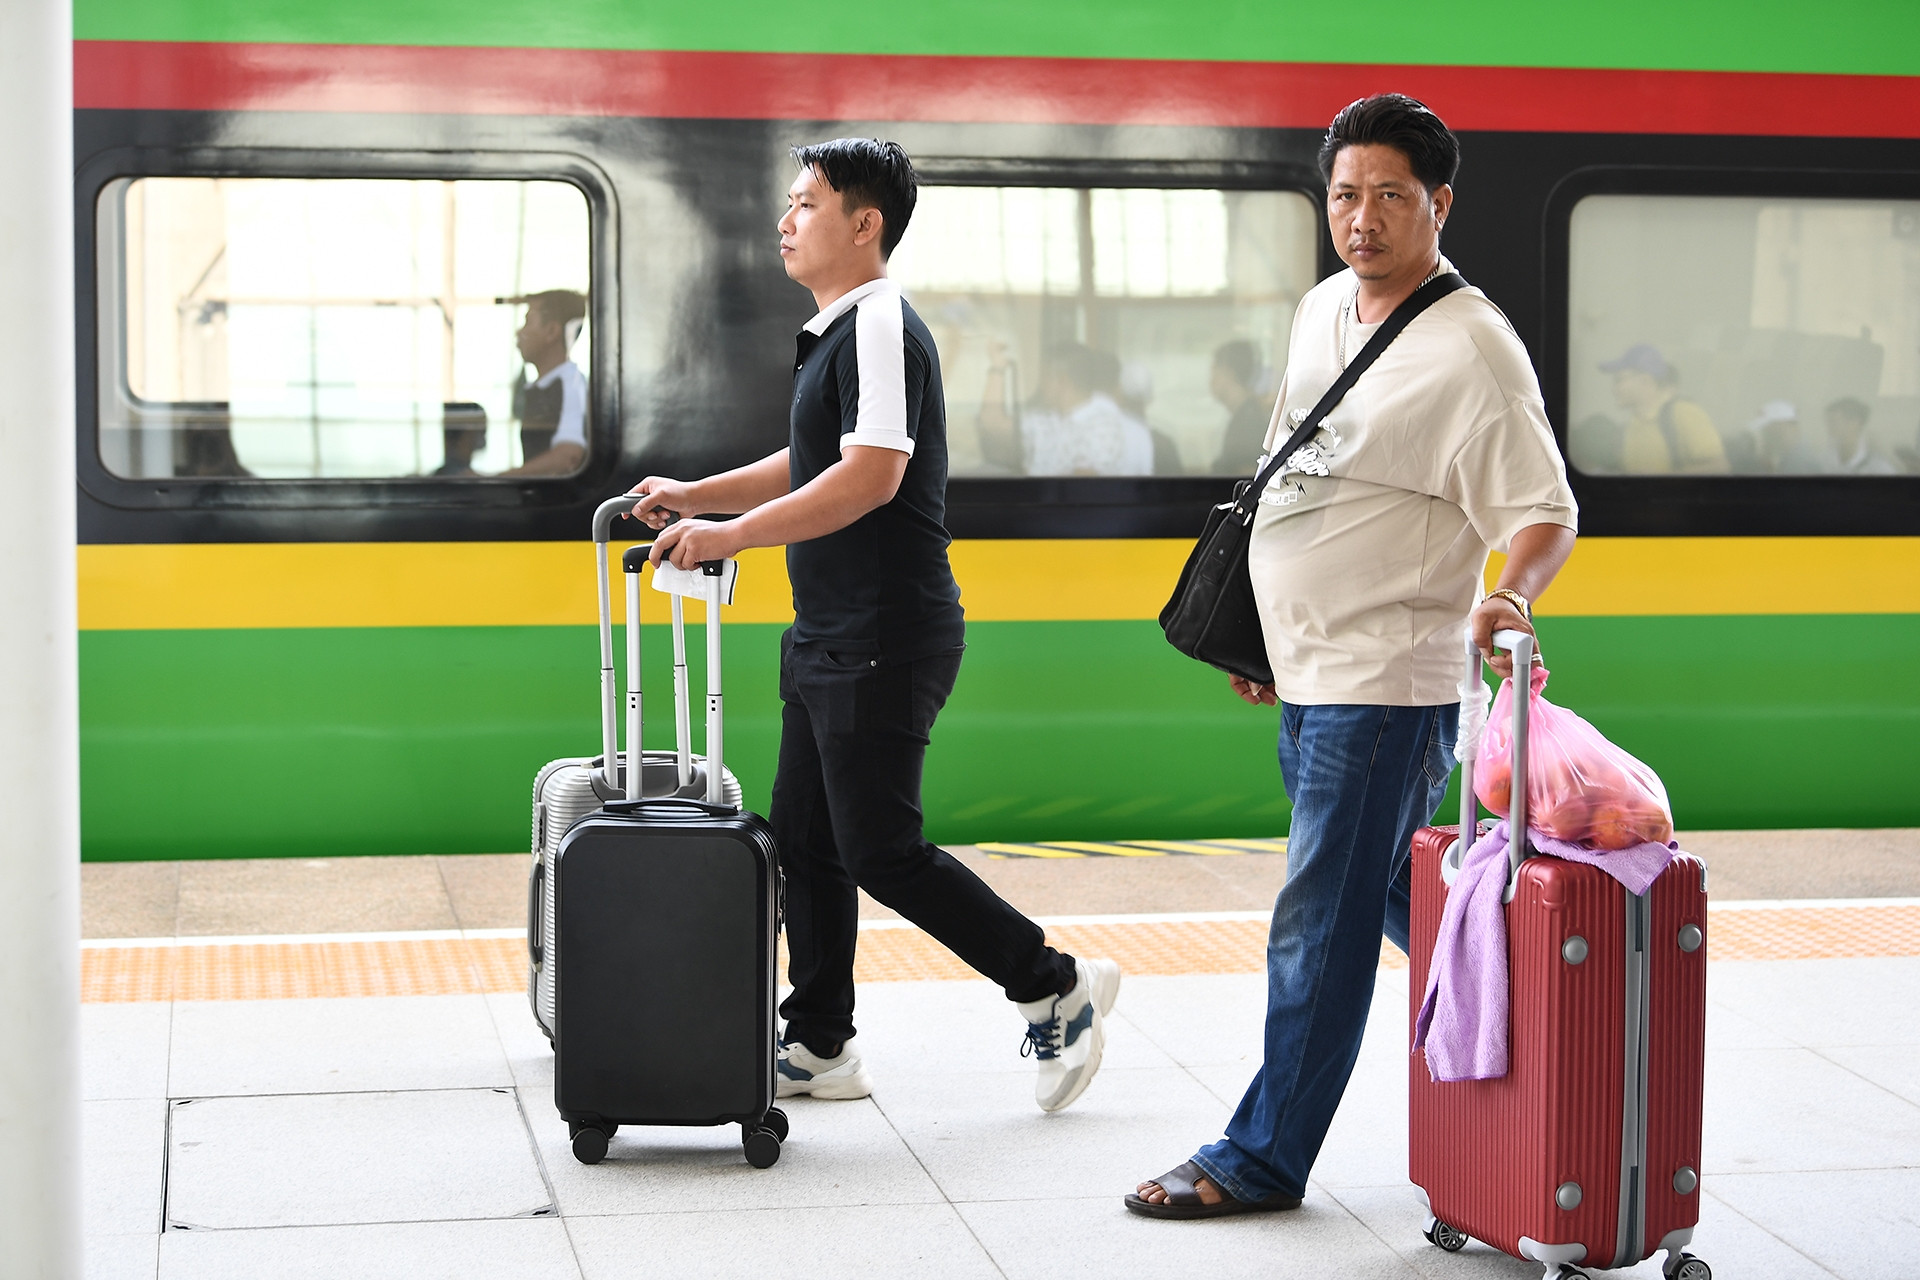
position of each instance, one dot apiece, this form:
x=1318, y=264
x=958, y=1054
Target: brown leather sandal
x=1183, y=1199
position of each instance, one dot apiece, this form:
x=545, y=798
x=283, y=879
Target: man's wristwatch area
x=1514, y=598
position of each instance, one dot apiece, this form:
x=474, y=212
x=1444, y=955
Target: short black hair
x=1239, y=359
x=869, y=174
x=558, y=306
x=1397, y=121
x=1851, y=407
x=1088, y=369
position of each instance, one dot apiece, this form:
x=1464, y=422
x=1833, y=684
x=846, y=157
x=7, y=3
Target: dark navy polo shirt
x=866, y=373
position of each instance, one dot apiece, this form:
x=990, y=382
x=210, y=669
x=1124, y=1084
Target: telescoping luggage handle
x=1521, y=646
x=632, y=563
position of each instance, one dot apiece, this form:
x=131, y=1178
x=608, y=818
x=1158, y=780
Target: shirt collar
x=558, y=371
x=846, y=301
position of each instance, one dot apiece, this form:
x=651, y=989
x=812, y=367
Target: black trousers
x=846, y=813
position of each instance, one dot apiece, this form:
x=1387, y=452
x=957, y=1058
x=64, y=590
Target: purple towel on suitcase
x=1464, y=1017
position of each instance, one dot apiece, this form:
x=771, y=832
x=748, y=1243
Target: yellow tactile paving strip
x=290, y=970
x=1128, y=848
x=453, y=966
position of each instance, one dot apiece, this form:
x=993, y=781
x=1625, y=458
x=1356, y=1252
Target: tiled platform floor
x=415, y=1136
x=380, y=1106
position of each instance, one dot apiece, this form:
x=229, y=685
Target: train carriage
x=324, y=569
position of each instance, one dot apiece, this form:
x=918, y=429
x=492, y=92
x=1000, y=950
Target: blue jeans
x=1362, y=779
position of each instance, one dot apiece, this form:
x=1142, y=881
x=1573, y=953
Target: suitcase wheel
x=590, y=1143
x=1691, y=1268
x=762, y=1146
x=776, y=1120
x=1448, y=1238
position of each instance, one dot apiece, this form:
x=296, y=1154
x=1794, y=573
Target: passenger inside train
x=552, y=405
x=1078, y=425
x=1855, y=454
x=1665, y=432
x=1775, y=443
x=463, y=433
x=1240, y=382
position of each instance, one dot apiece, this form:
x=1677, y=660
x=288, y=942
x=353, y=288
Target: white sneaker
x=799, y=1071
x=1067, y=1035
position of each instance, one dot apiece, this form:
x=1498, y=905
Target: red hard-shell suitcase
x=1588, y=1150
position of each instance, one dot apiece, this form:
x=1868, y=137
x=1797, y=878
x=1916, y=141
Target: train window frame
x=1108, y=506
x=1709, y=505
x=604, y=422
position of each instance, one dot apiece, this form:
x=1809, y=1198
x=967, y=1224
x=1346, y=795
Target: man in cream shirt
x=1367, y=556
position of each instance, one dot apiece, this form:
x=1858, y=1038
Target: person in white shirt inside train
x=1077, y=428
x=552, y=405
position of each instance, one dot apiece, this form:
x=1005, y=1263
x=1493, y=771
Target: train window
x=327, y=328
x=1745, y=336
x=1107, y=331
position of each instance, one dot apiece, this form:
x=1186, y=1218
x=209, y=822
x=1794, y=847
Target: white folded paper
x=692, y=582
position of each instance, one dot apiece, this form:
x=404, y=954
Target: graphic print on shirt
x=1310, y=459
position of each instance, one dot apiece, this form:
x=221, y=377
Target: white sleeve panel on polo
x=880, y=351
x=573, y=406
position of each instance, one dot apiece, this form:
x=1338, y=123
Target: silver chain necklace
x=1350, y=308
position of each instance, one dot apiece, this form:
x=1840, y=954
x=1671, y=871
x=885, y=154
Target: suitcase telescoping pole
x=714, y=577
x=682, y=705
x=603, y=518
x=1521, y=646
x=715, y=572
x=633, y=562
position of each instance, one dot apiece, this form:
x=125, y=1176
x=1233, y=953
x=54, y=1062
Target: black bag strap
x=1403, y=315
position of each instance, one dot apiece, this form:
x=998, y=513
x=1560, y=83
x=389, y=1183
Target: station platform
x=327, y=1068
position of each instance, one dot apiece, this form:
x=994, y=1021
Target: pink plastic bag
x=1581, y=788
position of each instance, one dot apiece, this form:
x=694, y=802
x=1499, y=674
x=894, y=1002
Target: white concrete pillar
x=39, y=699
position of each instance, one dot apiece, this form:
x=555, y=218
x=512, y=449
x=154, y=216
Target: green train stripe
x=1846, y=36
x=252, y=743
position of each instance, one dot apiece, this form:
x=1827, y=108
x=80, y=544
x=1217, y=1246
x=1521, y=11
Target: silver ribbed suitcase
x=568, y=789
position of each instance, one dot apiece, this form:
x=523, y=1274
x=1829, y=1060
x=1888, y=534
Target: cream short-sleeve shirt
x=1440, y=452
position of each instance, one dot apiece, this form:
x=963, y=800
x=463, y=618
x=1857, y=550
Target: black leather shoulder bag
x=1212, y=615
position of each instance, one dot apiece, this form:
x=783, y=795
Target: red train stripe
x=780, y=86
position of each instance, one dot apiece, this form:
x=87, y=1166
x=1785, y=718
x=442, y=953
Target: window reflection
x=1747, y=336
x=1104, y=331
x=342, y=328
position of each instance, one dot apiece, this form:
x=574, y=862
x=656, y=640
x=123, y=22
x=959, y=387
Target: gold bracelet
x=1515, y=599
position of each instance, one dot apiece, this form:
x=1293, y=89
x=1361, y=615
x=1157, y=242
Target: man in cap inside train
x=551, y=405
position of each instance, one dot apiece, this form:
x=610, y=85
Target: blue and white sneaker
x=799, y=1071
x=1067, y=1035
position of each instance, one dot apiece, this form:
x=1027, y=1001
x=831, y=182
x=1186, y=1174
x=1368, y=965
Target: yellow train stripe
x=1067, y=579
x=1669, y=577
x=1024, y=850
x=420, y=584
x=374, y=584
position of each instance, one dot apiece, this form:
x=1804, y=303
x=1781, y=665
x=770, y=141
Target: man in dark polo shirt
x=859, y=500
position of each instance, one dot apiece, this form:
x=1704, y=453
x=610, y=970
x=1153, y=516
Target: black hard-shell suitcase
x=667, y=911
x=568, y=789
